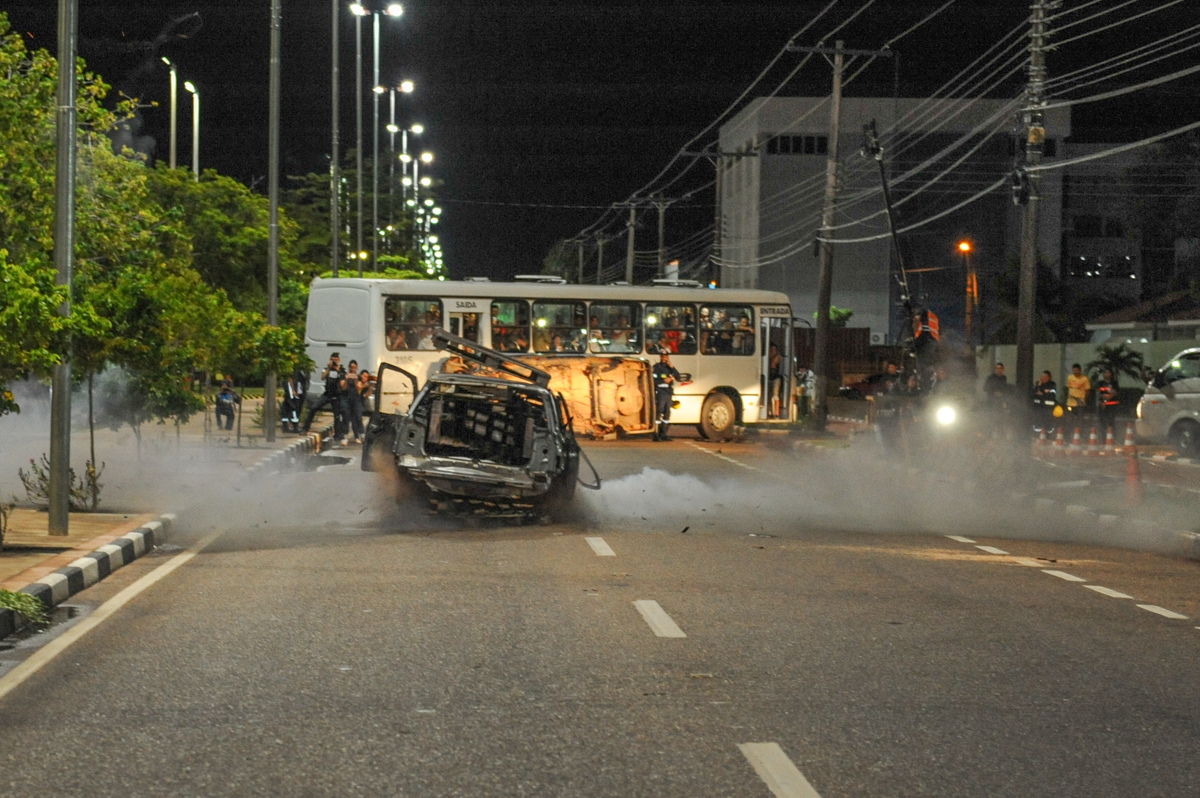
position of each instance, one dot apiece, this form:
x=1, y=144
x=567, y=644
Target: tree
x=1119, y=359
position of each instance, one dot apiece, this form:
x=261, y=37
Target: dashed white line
x=1032, y=563
x=1108, y=591
x=722, y=456
x=991, y=550
x=601, y=548
x=772, y=765
x=960, y=538
x=1065, y=575
x=657, y=619
x=1162, y=611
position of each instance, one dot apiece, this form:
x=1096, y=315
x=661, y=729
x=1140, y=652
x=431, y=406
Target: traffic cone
x=1133, y=480
x=1041, y=438
x=1093, y=441
x=1077, y=440
x=1128, y=436
x=1059, y=441
x=1110, y=444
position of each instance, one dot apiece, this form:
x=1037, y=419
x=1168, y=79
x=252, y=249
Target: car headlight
x=1139, y=408
x=945, y=415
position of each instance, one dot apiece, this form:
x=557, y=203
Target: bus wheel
x=718, y=418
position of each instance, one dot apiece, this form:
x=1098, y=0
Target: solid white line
x=991, y=550
x=772, y=765
x=48, y=652
x=601, y=548
x=1107, y=591
x=1064, y=575
x=656, y=617
x=1163, y=612
x=960, y=538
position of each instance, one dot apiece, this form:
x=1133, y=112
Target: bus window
x=410, y=323
x=559, y=327
x=510, y=326
x=616, y=328
x=671, y=327
x=727, y=329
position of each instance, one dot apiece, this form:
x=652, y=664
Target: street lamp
x=965, y=248
x=174, y=106
x=406, y=87
x=392, y=10
x=191, y=87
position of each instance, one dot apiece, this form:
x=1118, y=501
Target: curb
x=55, y=588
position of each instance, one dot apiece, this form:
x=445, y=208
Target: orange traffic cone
x=1133, y=480
x=1128, y=436
x=1077, y=440
x=1110, y=443
x=1059, y=441
x=1093, y=441
x=1041, y=438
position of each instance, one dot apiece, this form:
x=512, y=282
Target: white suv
x=1170, y=408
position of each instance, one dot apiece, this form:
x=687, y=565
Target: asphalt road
x=329, y=642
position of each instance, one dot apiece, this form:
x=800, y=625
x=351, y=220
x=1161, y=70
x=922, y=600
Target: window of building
x=797, y=145
x=559, y=327
x=510, y=325
x=615, y=327
x=671, y=328
x=409, y=323
x=727, y=329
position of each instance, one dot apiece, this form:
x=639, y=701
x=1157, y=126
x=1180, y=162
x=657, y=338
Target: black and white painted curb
x=55, y=588
x=287, y=457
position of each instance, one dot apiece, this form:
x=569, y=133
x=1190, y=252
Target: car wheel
x=1185, y=435
x=718, y=417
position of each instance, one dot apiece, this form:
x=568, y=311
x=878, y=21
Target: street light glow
x=964, y=246
x=406, y=86
x=405, y=157
x=166, y=60
x=418, y=129
x=394, y=10
x=427, y=157
x=433, y=239
x=357, y=10
x=406, y=181
x=428, y=202
x=425, y=181
x=437, y=211
x=379, y=89
x=393, y=129
x=187, y=84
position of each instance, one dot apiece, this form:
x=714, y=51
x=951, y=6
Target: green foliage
x=1119, y=359
x=386, y=274
x=838, y=317
x=84, y=496
x=28, y=607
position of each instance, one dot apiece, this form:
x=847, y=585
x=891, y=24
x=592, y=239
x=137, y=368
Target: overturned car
x=492, y=433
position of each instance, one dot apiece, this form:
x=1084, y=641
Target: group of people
x=347, y=391
x=722, y=334
x=414, y=331
x=1082, y=395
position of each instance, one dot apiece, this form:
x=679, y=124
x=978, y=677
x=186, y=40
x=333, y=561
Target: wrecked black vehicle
x=490, y=438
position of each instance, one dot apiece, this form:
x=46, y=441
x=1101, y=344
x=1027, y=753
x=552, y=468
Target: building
x=772, y=182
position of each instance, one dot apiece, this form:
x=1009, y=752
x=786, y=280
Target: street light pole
x=335, y=165
x=972, y=293
x=174, y=108
x=358, y=12
x=191, y=87
x=64, y=262
x=273, y=217
x=376, y=90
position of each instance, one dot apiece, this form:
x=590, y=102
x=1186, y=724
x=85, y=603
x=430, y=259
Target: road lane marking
x=1162, y=611
x=722, y=456
x=960, y=538
x=44, y=655
x=991, y=550
x=1032, y=563
x=1108, y=591
x=772, y=765
x=1067, y=576
x=657, y=619
x=601, y=548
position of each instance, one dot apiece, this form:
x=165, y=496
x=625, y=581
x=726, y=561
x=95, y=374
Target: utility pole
x=599, y=258
x=273, y=218
x=1027, y=186
x=335, y=164
x=64, y=263
x=579, y=243
x=825, y=279
x=629, y=244
x=719, y=215
x=662, y=232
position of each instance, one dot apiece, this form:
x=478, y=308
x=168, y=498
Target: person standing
x=1045, y=398
x=294, y=389
x=665, y=378
x=1108, y=399
x=995, y=387
x=331, y=397
x=226, y=401
x=774, y=379
x=1078, y=386
x=353, y=403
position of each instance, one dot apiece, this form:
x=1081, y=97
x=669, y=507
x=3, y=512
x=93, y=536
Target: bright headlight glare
x=946, y=415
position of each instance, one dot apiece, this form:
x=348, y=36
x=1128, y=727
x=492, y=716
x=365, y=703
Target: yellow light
x=946, y=415
x=652, y=320
x=541, y=323
x=964, y=246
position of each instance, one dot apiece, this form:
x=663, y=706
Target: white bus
x=722, y=339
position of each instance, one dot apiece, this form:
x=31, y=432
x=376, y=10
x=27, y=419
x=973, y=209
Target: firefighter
x=665, y=377
x=1107, y=399
x=1045, y=397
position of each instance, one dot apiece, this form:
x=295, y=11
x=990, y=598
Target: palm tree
x=1119, y=359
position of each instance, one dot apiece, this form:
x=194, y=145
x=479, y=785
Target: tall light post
x=359, y=12
x=965, y=248
x=269, y=415
x=191, y=87
x=335, y=165
x=174, y=107
x=407, y=88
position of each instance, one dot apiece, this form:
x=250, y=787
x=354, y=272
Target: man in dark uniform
x=226, y=401
x=1108, y=400
x=294, y=389
x=665, y=378
x=333, y=375
x=1045, y=397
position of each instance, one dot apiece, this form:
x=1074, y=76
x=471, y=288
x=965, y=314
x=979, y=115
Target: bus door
x=465, y=318
x=775, y=332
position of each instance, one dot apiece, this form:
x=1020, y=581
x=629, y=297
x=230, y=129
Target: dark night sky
x=565, y=103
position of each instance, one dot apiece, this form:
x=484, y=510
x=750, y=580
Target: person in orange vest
x=1108, y=400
